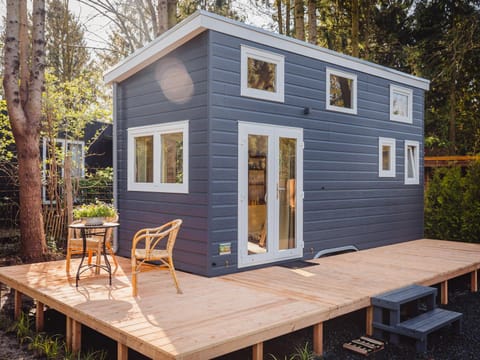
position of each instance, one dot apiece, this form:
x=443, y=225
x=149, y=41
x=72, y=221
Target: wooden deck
x=216, y=316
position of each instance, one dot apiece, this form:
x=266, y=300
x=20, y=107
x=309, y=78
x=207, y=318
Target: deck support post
x=257, y=351
x=369, y=321
x=39, y=316
x=74, y=335
x=17, y=304
x=444, y=292
x=474, y=281
x=318, y=339
x=122, y=351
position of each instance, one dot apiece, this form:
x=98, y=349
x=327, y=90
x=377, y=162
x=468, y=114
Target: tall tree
x=299, y=19
x=135, y=22
x=312, y=21
x=355, y=28
x=447, y=36
x=67, y=54
x=23, y=83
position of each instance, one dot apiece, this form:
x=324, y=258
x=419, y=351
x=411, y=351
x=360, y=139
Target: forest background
x=435, y=39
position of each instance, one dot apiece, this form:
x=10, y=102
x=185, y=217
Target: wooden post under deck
x=39, y=316
x=122, y=351
x=474, y=281
x=444, y=292
x=17, y=305
x=369, y=321
x=74, y=335
x=318, y=339
x=257, y=351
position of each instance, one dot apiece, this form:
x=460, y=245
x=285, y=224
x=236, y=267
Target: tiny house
x=270, y=149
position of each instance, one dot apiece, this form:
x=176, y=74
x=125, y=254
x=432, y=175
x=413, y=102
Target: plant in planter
x=94, y=214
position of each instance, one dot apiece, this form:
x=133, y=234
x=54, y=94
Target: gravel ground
x=442, y=345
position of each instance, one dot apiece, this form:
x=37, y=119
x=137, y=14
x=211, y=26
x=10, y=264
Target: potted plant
x=94, y=214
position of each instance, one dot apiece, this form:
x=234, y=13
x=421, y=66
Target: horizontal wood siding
x=141, y=101
x=346, y=203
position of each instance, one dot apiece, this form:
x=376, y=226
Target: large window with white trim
x=412, y=167
x=386, y=157
x=341, y=91
x=158, y=158
x=401, y=104
x=262, y=74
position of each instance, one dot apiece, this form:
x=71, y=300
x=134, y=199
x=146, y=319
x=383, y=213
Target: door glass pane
x=144, y=159
x=257, y=193
x=286, y=193
x=172, y=158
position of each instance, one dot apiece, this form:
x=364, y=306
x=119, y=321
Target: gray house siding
x=140, y=102
x=346, y=203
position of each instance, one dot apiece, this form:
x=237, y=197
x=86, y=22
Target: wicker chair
x=94, y=245
x=151, y=253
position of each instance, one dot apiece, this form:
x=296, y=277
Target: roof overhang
x=202, y=21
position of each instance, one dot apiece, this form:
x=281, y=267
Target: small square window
x=386, y=157
x=158, y=158
x=341, y=91
x=401, y=104
x=412, y=166
x=262, y=74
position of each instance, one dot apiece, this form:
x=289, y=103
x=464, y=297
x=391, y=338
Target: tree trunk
x=299, y=20
x=355, y=27
x=24, y=110
x=312, y=21
x=162, y=16
x=68, y=187
x=172, y=13
x=278, y=3
x=288, y=5
x=453, y=121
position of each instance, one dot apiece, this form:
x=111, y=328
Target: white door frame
x=274, y=132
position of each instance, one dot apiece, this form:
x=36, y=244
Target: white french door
x=270, y=190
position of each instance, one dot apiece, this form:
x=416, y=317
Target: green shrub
x=452, y=204
x=98, y=209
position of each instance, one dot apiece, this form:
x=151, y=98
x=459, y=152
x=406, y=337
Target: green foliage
x=98, y=209
x=44, y=345
x=301, y=353
x=452, y=204
x=23, y=328
x=7, y=141
x=96, y=186
x=50, y=347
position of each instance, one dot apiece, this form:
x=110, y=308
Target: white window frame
x=63, y=143
x=353, y=77
x=267, y=56
x=405, y=92
x=416, y=165
x=390, y=142
x=157, y=131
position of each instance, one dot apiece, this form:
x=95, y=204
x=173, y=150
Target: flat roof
x=202, y=21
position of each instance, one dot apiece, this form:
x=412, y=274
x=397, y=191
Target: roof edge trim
x=202, y=20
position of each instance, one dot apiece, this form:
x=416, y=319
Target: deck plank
x=219, y=315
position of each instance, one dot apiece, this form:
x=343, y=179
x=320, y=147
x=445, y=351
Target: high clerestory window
x=341, y=91
x=262, y=74
x=158, y=158
x=401, y=104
